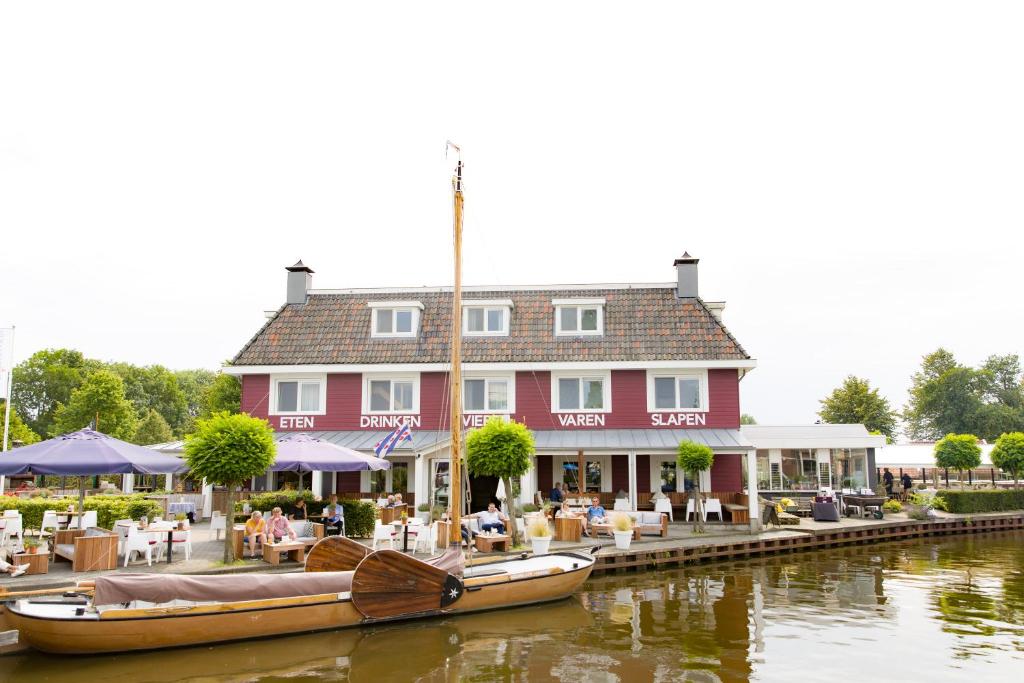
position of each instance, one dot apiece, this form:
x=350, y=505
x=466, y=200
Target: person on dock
x=490, y=519
x=596, y=513
x=278, y=527
x=907, y=482
x=887, y=480
x=255, y=531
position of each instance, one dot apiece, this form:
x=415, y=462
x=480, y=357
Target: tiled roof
x=648, y=323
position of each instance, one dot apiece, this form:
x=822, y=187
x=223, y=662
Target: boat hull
x=142, y=629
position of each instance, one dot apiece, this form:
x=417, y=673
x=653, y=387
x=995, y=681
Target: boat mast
x=455, y=466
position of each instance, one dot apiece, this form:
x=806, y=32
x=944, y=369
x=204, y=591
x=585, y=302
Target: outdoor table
x=295, y=551
x=38, y=563
x=568, y=528
x=405, y=533
x=863, y=501
x=488, y=544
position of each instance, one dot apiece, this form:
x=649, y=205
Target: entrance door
x=481, y=491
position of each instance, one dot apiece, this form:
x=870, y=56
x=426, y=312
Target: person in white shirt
x=490, y=519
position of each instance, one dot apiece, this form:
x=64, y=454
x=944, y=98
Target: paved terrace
x=207, y=550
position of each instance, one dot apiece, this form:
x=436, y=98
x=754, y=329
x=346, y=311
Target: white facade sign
x=297, y=422
x=478, y=419
x=678, y=419
x=581, y=420
x=388, y=421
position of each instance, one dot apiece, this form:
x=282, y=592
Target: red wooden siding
x=544, y=475
x=727, y=472
x=724, y=397
x=620, y=473
x=348, y=482
x=256, y=395
x=643, y=472
x=435, y=400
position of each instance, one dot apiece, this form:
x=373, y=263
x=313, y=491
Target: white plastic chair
x=427, y=538
x=689, y=510
x=179, y=538
x=50, y=521
x=218, y=523
x=713, y=506
x=121, y=529
x=664, y=505
x=138, y=542
x=382, y=532
x=88, y=519
x=12, y=526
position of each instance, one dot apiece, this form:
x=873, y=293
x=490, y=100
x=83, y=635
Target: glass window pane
x=383, y=321
x=594, y=399
x=593, y=476
x=570, y=475
x=689, y=393
x=664, y=393
x=310, y=396
x=567, y=316
x=495, y=319
x=568, y=394
x=403, y=321
x=400, y=477
x=589, y=319
x=473, y=398
x=475, y=319
x=379, y=482
x=403, y=395
x=287, y=395
x=497, y=394
x=668, y=477
x=380, y=395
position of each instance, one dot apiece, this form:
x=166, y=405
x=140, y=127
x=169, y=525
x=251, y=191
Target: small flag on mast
x=390, y=442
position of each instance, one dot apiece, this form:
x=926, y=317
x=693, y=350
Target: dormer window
x=579, y=317
x=395, y=318
x=486, y=318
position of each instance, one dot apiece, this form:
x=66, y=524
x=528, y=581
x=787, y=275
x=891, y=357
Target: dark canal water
x=926, y=610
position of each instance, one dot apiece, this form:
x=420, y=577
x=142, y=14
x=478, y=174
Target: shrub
x=359, y=518
x=530, y=507
x=892, y=506
x=621, y=521
x=965, y=502
x=266, y=501
x=108, y=509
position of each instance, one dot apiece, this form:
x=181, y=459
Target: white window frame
x=510, y=379
x=504, y=305
x=700, y=375
x=413, y=307
x=414, y=378
x=579, y=304
x=300, y=378
x=606, y=390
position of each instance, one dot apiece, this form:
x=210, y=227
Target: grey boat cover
x=161, y=588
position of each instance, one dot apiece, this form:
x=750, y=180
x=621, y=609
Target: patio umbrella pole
x=81, y=500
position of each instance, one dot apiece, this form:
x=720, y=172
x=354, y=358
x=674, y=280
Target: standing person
x=255, y=531
x=278, y=527
x=907, y=482
x=887, y=479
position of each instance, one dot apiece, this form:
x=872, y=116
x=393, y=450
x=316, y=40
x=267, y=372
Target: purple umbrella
x=298, y=452
x=84, y=453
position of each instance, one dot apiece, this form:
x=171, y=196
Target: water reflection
x=935, y=610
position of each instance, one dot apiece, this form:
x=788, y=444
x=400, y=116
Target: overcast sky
x=850, y=175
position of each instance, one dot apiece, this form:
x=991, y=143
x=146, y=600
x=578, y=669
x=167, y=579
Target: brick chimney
x=300, y=281
x=686, y=269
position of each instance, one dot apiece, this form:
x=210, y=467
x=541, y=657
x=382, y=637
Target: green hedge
x=359, y=516
x=993, y=500
x=108, y=508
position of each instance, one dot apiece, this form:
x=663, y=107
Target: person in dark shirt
x=887, y=479
x=907, y=483
x=556, y=494
x=299, y=511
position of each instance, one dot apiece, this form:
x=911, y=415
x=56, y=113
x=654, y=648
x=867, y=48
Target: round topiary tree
x=959, y=452
x=228, y=450
x=501, y=449
x=694, y=458
x=1008, y=455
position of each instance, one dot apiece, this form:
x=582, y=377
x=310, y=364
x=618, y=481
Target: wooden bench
x=738, y=514
x=86, y=549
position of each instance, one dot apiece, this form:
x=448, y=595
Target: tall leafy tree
x=694, y=458
x=193, y=384
x=958, y=452
x=101, y=399
x=153, y=428
x=153, y=387
x=17, y=431
x=228, y=450
x=1008, y=455
x=46, y=380
x=224, y=394
x=501, y=449
x=855, y=402
x=746, y=419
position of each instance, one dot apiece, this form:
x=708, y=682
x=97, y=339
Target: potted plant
x=622, y=529
x=31, y=544
x=181, y=517
x=540, y=535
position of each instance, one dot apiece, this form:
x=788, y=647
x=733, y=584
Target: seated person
x=255, y=531
x=333, y=514
x=398, y=500
x=278, y=527
x=566, y=511
x=300, y=509
x=596, y=513
x=391, y=502
x=491, y=519
x=556, y=495
x=13, y=569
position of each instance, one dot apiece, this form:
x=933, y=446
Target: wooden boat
x=345, y=585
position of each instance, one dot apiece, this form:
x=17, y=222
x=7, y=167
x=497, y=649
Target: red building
x=609, y=377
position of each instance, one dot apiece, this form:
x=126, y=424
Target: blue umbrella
x=85, y=453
